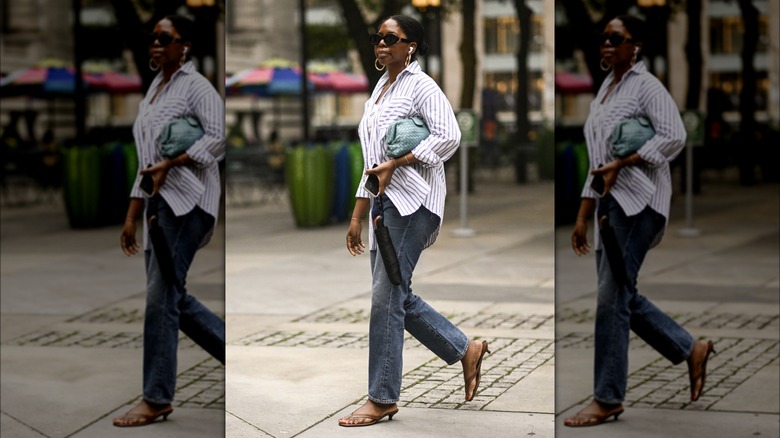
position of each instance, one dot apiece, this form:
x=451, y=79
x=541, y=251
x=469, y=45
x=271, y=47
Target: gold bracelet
x=356, y=219
x=407, y=160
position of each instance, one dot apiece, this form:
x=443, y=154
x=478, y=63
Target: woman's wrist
x=631, y=160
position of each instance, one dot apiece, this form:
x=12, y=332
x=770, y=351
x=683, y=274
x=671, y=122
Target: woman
x=180, y=214
x=635, y=207
x=411, y=192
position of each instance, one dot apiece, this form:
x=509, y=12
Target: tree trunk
x=583, y=28
x=694, y=54
x=747, y=96
x=468, y=54
x=359, y=29
x=521, y=100
x=133, y=30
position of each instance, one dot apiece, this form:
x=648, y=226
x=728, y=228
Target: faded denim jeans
x=621, y=308
x=169, y=307
x=395, y=308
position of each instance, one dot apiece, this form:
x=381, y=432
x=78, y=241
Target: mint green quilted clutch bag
x=404, y=135
x=179, y=135
x=629, y=135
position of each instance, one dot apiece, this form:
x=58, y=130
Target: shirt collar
x=187, y=68
x=637, y=69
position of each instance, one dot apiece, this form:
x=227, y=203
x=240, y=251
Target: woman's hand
x=384, y=172
x=127, y=238
x=579, y=238
x=610, y=173
x=355, y=244
x=159, y=172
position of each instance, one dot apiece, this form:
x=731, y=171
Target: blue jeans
x=621, y=308
x=169, y=307
x=395, y=308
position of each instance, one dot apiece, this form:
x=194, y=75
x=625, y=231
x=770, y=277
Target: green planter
x=309, y=175
x=81, y=185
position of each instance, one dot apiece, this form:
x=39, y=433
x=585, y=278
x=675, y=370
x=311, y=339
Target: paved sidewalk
x=298, y=309
x=72, y=314
x=722, y=285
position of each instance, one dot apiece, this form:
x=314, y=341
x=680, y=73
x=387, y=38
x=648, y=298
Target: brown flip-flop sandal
x=593, y=419
x=477, y=374
x=373, y=419
x=699, y=373
x=135, y=420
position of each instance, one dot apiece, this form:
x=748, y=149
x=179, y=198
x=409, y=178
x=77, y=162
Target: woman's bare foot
x=594, y=414
x=697, y=366
x=472, y=366
x=142, y=414
x=369, y=414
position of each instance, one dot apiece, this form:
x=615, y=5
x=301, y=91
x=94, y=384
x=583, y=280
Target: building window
x=20, y=16
x=726, y=35
x=245, y=15
x=731, y=85
x=505, y=86
x=502, y=35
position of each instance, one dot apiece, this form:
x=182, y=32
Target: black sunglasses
x=164, y=38
x=615, y=39
x=390, y=39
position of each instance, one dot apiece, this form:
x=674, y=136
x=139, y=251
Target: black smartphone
x=372, y=184
x=147, y=184
x=597, y=183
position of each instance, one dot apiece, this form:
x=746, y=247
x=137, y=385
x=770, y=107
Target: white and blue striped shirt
x=649, y=184
x=187, y=94
x=413, y=93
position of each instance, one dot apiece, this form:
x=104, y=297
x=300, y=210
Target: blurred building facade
x=40, y=32
x=267, y=29
x=722, y=39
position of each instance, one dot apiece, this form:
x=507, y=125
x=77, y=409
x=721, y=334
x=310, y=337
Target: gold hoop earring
x=408, y=60
x=153, y=66
x=633, y=59
x=604, y=66
x=377, y=65
x=183, y=59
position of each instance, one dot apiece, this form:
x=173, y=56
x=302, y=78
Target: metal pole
x=689, y=230
x=304, y=74
x=78, y=55
x=464, y=230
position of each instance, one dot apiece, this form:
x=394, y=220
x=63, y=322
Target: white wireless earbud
x=636, y=50
x=411, y=49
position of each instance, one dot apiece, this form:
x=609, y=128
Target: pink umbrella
x=342, y=82
x=268, y=81
x=572, y=83
x=114, y=82
x=39, y=81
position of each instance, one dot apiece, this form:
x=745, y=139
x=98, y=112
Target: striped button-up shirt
x=187, y=94
x=639, y=93
x=413, y=93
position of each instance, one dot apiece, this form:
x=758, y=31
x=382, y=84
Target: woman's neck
x=168, y=72
x=620, y=70
x=393, y=72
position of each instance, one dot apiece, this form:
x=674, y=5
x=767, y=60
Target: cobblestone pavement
x=201, y=386
x=707, y=320
x=659, y=384
x=433, y=384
